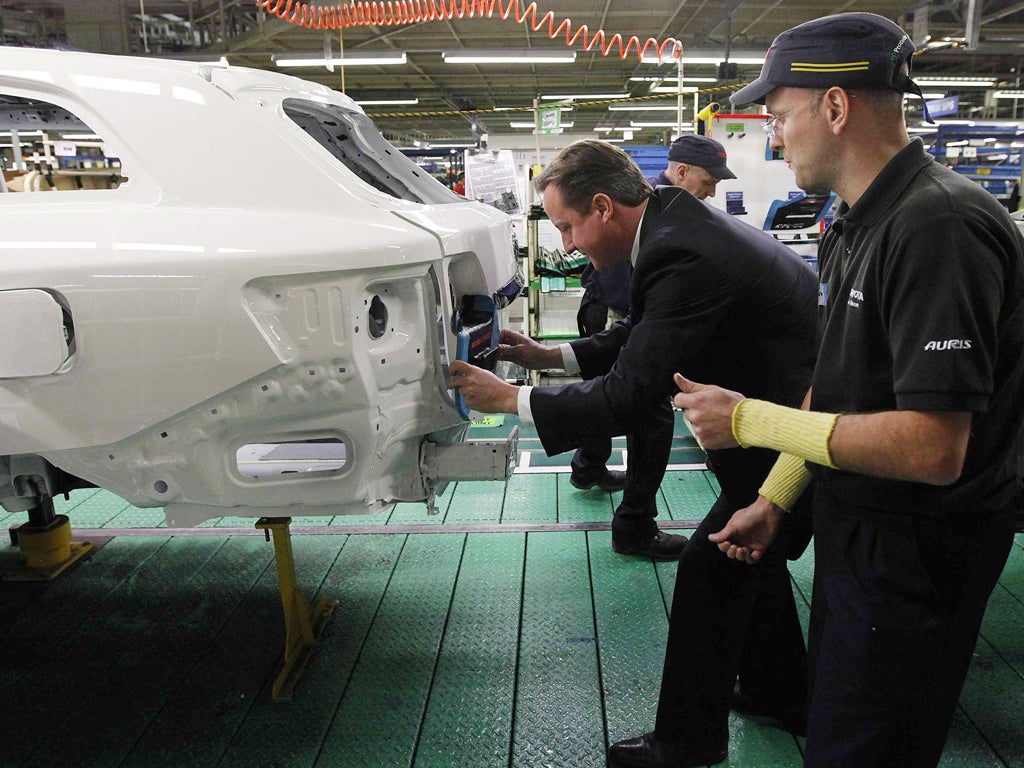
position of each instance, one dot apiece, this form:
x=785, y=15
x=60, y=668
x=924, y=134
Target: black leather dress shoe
x=648, y=752
x=789, y=717
x=664, y=546
x=607, y=480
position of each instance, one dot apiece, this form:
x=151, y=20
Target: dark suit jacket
x=713, y=298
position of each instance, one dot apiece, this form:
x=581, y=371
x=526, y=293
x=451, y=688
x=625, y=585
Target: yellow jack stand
x=47, y=546
x=301, y=632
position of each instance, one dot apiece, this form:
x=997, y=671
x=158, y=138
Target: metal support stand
x=45, y=540
x=301, y=630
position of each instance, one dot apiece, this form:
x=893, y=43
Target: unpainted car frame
x=255, y=319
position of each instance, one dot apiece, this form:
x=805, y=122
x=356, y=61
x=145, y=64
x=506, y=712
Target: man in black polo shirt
x=915, y=408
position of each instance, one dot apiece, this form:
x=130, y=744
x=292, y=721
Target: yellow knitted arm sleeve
x=789, y=430
x=787, y=480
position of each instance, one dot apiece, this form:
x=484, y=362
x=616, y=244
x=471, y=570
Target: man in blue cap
x=695, y=163
x=911, y=424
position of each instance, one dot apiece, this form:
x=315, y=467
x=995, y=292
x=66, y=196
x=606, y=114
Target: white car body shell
x=220, y=298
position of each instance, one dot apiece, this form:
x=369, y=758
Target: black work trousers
x=897, y=605
x=648, y=448
x=728, y=619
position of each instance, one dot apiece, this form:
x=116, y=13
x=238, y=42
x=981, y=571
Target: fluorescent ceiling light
x=922, y=130
x=509, y=56
x=958, y=82
x=582, y=96
x=563, y=107
x=613, y=141
x=1008, y=95
x=641, y=108
x=452, y=145
x=637, y=124
x=720, y=59
x=570, y=124
x=382, y=102
x=363, y=58
x=968, y=123
x=80, y=136
x=686, y=79
x=603, y=129
x=706, y=56
x=674, y=89
x=926, y=96
x=961, y=143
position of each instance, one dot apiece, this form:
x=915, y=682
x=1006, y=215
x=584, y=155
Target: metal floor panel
x=489, y=643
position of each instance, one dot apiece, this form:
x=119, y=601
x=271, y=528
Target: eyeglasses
x=771, y=127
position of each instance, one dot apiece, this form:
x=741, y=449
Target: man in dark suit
x=696, y=164
x=709, y=294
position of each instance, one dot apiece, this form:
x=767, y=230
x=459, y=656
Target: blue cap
x=849, y=50
x=701, y=151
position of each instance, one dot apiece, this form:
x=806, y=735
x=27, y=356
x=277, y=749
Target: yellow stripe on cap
x=845, y=66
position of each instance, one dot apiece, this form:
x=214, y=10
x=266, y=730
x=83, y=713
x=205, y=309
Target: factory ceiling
x=458, y=101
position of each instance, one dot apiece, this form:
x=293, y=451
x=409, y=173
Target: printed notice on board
x=491, y=179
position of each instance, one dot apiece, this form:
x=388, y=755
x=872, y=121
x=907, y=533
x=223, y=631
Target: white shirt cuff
x=523, y=406
x=569, y=364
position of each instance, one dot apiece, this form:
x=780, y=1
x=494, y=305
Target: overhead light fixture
x=674, y=89
x=583, y=96
x=613, y=141
x=686, y=79
x=509, y=56
x=361, y=59
x=642, y=108
x=642, y=124
x=603, y=129
x=452, y=145
x=524, y=124
x=960, y=143
x=80, y=137
x=563, y=107
x=968, y=123
x=957, y=82
x=716, y=60
x=706, y=56
x=1008, y=95
x=385, y=102
x=926, y=96
x=922, y=130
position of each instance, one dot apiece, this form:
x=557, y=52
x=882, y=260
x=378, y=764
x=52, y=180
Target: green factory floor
x=501, y=632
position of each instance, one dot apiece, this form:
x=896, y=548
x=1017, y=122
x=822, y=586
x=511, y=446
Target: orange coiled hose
x=390, y=13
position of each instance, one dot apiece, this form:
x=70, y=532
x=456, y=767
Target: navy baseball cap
x=850, y=50
x=702, y=151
